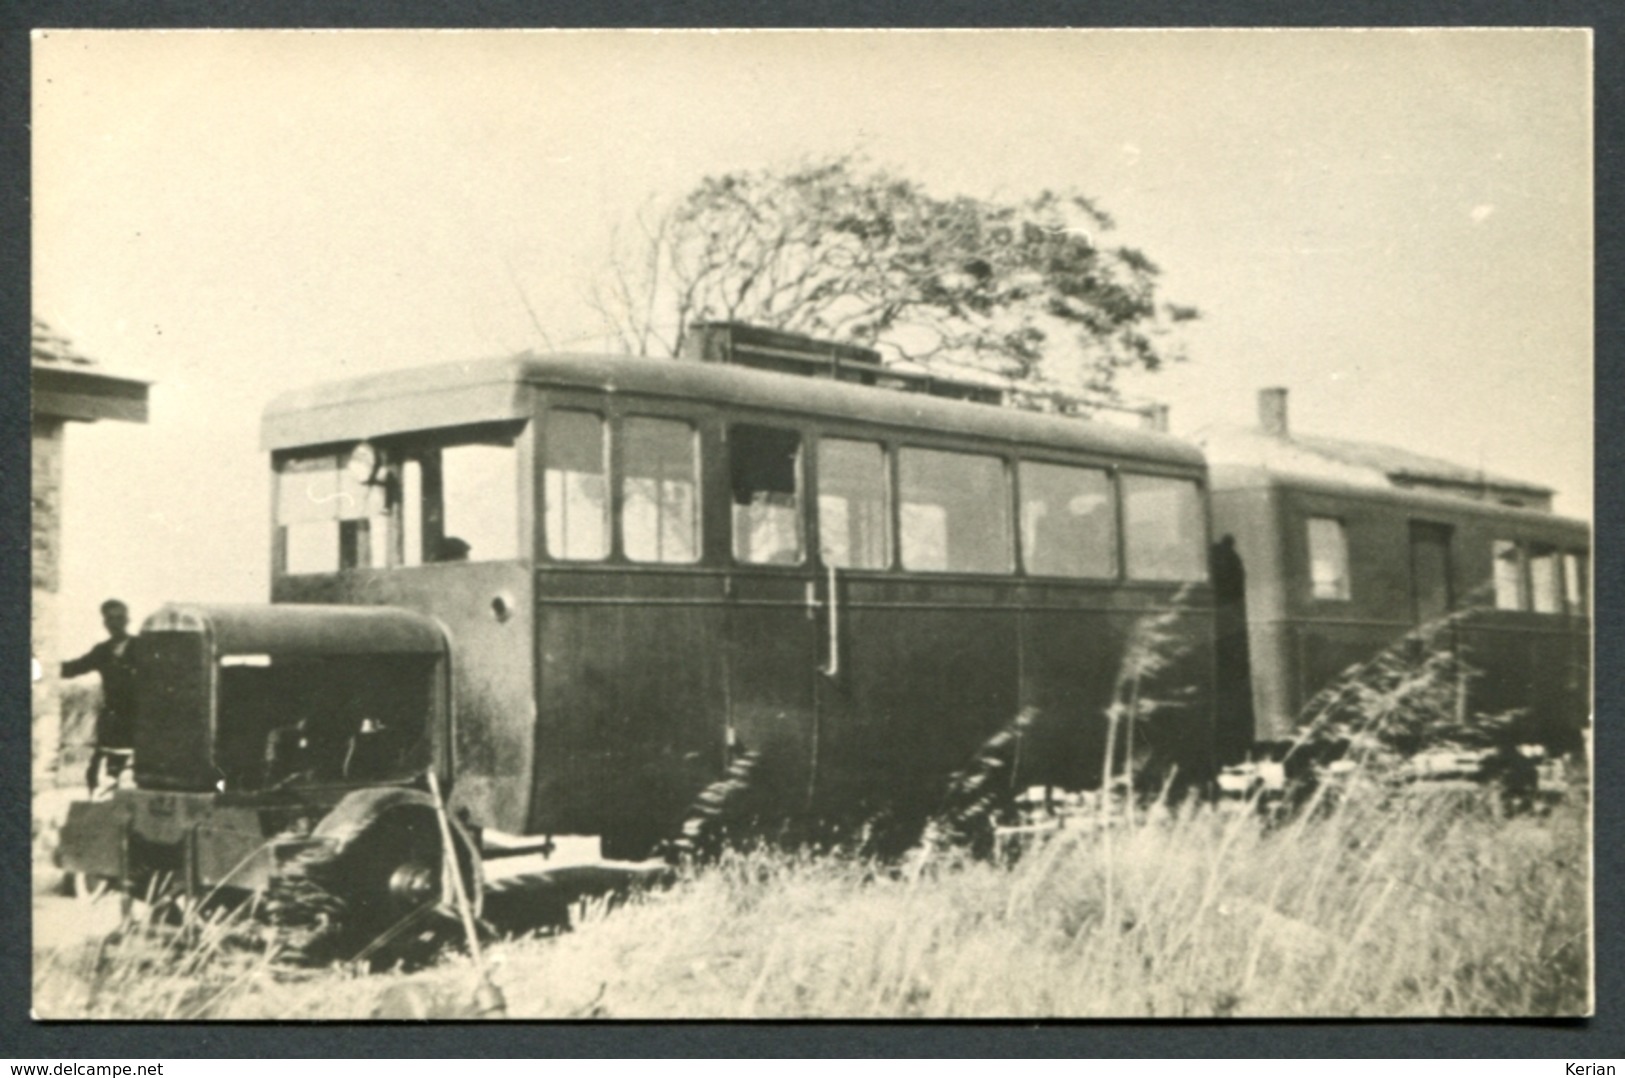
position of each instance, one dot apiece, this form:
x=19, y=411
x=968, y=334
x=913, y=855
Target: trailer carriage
x=1339, y=570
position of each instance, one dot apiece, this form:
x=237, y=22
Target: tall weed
x=1389, y=899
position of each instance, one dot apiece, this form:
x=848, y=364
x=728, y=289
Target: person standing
x=114, y=660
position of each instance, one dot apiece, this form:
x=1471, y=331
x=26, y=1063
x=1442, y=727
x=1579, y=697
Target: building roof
x=1357, y=463
x=46, y=345
x=1402, y=464
x=66, y=384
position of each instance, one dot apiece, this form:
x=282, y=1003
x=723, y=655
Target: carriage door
x=1431, y=597
x=1431, y=594
x=773, y=614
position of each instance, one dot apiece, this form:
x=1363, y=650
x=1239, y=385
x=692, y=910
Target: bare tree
x=1020, y=289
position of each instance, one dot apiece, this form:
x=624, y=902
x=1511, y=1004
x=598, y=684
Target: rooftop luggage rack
x=794, y=353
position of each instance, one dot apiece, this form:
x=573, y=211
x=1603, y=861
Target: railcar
x=627, y=573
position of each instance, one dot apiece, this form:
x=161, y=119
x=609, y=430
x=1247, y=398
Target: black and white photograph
x=811, y=524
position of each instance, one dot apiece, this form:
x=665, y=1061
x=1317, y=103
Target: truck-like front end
x=270, y=737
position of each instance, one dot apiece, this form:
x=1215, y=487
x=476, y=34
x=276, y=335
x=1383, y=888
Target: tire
x=380, y=899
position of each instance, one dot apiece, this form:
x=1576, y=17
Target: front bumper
x=199, y=841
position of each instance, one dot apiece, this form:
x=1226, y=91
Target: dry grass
x=1377, y=898
x=1415, y=903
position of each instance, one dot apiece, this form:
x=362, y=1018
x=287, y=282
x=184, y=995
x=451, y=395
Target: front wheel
x=383, y=898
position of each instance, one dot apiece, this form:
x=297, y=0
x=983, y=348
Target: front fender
x=345, y=829
x=360, y=809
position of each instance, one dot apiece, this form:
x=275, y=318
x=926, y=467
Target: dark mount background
x=1601, y=1037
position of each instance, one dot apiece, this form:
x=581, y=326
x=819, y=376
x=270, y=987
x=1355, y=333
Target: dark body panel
x=771, y=672
x=1410, y=555
x=629, y=717
x=929, y=671
x=178, y=683
x=491, y=672
x=1074, y=646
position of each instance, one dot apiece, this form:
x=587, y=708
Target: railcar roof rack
x=743, y=345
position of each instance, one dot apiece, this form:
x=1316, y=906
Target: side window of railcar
x=853, y=517
x=576, y=486
x=1509, y=587
x=955, y=512
x=1068, y=522
x=1545, y=581
x=764, y=468
x=1574, y=582
x=660, y=485
x=1328, y=559
x=1163, y=533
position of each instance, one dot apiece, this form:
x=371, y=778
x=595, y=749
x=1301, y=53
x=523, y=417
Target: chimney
x=1155, y=417
x=1272, y=411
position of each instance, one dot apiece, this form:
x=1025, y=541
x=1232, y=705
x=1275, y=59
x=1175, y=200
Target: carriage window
x=1068, y=526
x=1545, y=586
x=329, y=516
x=1574, y=582
x=764, y=465
x=1328, y=559
x=1509, y=589
x=479, y=498
x=853, y=522
x=660, y=520
x=1163, y=530
x=955, y=512
x=576, y=487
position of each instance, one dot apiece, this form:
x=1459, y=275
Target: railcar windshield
x=443, y=497
x=1328, y=559
x=1545, y=581
x=1574, y=582
x=1510, y=591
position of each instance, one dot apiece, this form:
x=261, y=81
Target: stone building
x=66, y=388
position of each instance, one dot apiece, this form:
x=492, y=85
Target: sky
x=1395, y=225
